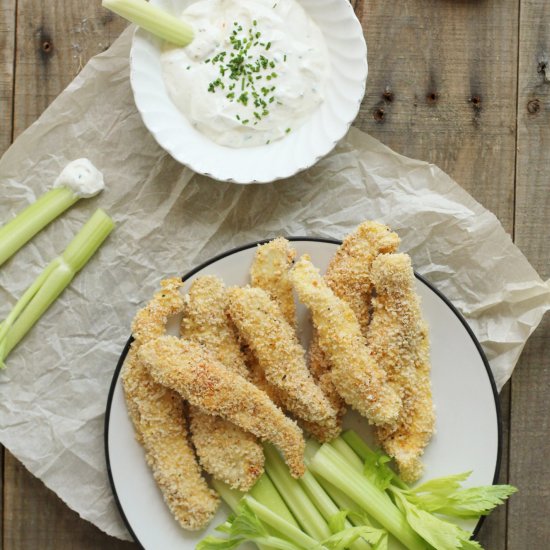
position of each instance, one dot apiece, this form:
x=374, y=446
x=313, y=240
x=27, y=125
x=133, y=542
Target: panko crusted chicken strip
x=159, y=422
x=262, y=325
x=269, y=272
x=229, y=453
x=348, y=276
x=357, y=378
x=191, y=370
x=398, y=342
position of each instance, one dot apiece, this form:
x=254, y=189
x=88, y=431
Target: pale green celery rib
x=307, y=515
x=231, y=497
x=264, y=492
x=279, y=524
x=153, y=19
x=348, y=454
x=52, y=281
x=33, y=219
x=328, y=464
x=325, y=505
x=360, y=448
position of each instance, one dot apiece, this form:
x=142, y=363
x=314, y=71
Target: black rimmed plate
x=468, y=421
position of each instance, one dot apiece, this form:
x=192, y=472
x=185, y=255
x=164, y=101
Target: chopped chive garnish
x=242, y=63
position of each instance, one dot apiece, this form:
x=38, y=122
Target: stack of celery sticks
x=351, y=498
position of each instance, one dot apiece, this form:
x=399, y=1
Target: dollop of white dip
x=82, y=177
x=270, y=92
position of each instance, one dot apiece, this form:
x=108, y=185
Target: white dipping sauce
x=259, y=98
x=82, y=177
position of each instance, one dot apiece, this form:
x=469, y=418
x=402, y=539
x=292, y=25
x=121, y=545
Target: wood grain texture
x=55, y=40
x=442, y=88
x=7, y=50
x=530, y=427
x=34, y=517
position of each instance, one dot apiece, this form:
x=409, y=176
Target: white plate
x=468, y=422
x=283, y=158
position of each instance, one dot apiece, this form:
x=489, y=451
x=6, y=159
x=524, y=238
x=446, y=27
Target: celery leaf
x=376, y=469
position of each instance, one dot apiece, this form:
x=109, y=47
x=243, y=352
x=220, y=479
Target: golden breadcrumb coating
x=261, y=324
x=348, y=276
x=159, y=421
x=269, y=272
x=206, y=321
x=256, y=375
x=398, y=342
x=318, y=367
x=227, y=452
x=192, y=371
x=357, y=378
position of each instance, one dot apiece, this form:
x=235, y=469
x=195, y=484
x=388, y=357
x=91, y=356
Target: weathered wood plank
x=34, y=517
x=54, y=40
x=442, y=87
x=7, y=50
x=529, y=510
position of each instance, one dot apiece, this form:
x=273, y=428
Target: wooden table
x=461, y=83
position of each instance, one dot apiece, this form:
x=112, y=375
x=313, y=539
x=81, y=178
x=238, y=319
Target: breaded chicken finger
x=192, y=371
x=273, y=341
x=349, y=272
x=398, y=342
x=348, y=276
x=159, y=421
x=229, y=453
x=269, y=272
x=356, y=377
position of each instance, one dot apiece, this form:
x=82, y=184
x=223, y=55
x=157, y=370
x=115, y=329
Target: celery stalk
x=325, y=505
x=275, y=521
x=328, y=464
x=33, y=219
x=231, y=497
x=53, y=280
x=153, y=19
x=265, y=492
x=347, y=453
x=361, y=449
x=294, y=496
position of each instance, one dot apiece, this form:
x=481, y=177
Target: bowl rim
x=219, y=173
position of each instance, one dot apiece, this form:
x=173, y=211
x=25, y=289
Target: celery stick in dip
x=255, y=71
x=81, y=177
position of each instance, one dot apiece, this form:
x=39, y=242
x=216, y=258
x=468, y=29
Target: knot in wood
x=533, y=106
x=432, y=98
x=379, y=114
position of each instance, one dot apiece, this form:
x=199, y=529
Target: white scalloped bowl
x=283, y=158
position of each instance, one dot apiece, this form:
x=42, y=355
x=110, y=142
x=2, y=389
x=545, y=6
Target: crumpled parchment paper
x=54, y=391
